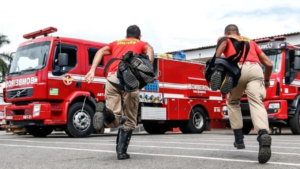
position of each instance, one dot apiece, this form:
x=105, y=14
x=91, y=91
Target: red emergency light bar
x=263, y=40
x=41, y=32
x=279, y=38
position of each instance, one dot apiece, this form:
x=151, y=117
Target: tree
x=5, y=58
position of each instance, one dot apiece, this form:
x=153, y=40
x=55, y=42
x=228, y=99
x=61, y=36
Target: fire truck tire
x=247, y=127
x=39, y=131
x=196, y=122
x=80, y=124
x=155, y=128
x=294, y=122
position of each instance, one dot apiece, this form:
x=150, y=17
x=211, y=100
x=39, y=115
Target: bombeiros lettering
x=21, y=81
x=266, y=46
x=198, y=87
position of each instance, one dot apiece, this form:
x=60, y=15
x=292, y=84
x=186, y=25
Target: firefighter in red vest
x=254, y=82
x=119, y=102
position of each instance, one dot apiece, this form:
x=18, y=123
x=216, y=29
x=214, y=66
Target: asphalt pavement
x=211, y=149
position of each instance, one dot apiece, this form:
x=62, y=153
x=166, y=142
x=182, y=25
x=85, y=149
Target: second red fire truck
x=47, y=90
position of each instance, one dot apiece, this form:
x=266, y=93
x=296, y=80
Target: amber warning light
x=41, y=32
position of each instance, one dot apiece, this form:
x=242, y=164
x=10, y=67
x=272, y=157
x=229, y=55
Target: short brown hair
x=231, y=27
x=133, y=31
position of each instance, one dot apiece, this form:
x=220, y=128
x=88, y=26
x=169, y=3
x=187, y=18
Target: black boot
x=123, y=140
x=239, y=139
x=123, y=120
x=117, y=142
x=265, y=141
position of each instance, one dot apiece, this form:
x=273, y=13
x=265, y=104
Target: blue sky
x=167, y=25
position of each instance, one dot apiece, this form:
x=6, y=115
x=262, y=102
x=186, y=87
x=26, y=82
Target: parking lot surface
x=211, y=149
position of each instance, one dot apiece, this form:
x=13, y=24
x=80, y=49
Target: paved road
x=172, y=150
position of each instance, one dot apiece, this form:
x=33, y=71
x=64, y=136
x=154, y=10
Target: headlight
x=225, y=108
x=36, y=110
x=274, y=106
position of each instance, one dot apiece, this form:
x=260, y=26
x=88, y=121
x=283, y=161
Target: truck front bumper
x=247, y=119
x=276, y=110
x=37, y=113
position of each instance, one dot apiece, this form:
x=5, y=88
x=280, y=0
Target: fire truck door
x=292, y=76
x=65, y=79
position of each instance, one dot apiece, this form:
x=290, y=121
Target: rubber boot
x=117, y=142
x=239, y=139
x=227, y=83
x=216, y=78
x=102, y=115
x=265, y=141
x=123, y=142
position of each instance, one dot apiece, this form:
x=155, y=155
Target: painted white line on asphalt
x=160, y=147
x=212, y=140
x=169, y=142
x=150, y=154
x=232, y=138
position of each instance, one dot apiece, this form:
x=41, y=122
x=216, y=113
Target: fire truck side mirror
x=8, y=67
x=297, y=60
x=62, y=59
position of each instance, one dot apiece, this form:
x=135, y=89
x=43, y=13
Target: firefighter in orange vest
x=119, y=102
x=254, y=83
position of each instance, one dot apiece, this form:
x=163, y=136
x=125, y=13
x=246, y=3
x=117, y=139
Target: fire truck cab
x=46, y=90
x=283, y=96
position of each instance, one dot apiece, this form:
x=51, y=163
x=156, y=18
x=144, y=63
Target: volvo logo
x=18, y=93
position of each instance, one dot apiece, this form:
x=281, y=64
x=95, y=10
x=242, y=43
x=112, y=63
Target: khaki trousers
x=252, y=82
x=121, y=102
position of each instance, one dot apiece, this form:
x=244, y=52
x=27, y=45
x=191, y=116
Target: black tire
x=294, y=122
x=155, y=128
x=75, y=127
x=196, y=122
x=247, y=127
x=39, y=131
x=67, y=132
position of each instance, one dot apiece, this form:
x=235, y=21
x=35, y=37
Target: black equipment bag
x=231, y=63
x=134, y=72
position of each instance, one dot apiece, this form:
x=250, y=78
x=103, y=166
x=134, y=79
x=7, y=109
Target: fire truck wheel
x=39, y=131
x=196, y=122
x=294, y=122
x=80, y=123
x=154, y=128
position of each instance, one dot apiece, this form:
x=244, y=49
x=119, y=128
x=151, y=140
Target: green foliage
x=5, y=58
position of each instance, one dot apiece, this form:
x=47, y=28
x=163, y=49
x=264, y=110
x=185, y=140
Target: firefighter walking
x=119, y=102
x=254, y=82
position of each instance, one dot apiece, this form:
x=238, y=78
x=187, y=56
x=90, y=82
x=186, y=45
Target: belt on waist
x=248, y=63
x=111, y=73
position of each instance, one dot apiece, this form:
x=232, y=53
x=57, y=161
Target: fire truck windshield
x=31, y=57
x=275, y=57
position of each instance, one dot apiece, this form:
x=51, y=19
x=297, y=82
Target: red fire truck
x=46, y=89
x=283, y=96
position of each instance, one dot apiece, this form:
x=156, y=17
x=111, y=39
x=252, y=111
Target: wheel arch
x=89, y=100
x=203, y=108
x=293, y=105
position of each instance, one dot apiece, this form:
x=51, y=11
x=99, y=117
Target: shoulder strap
x=109, y=63
x=239, y=47
x=219, y=43
x=118, y=86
